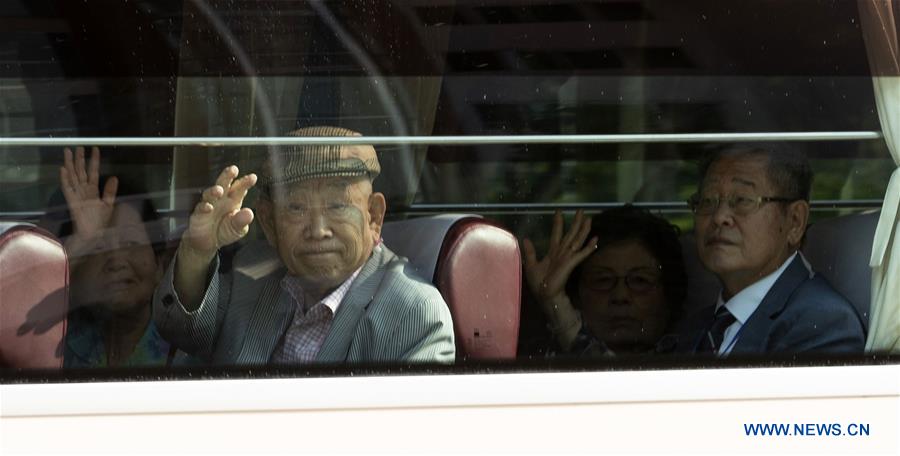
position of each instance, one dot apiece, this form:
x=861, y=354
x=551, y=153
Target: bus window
x=510, y=111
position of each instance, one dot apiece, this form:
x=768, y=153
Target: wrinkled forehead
x=739, y=172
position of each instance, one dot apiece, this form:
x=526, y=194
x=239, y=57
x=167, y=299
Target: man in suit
x=750, y=217
x=324, y=289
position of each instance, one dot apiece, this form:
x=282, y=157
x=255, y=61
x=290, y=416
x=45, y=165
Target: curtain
x=879, y=19
x=220, y=92
x=219, y=38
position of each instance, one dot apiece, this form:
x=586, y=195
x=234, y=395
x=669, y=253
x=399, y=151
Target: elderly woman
x=115, y=247
x=613, y=285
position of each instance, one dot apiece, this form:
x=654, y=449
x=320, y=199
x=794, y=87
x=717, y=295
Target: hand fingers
x=200, y=210
x=240, y=187
x=200, y=218
x=240, y=220
x=533, y=276
x=66, y=185
x=69, y=165
x=212, y=194
x=109, y=190
x=226, y=176
x=587, y=251
x=79, y=165
x=556, y=231
x=560, y=275
x=236, y=225
x=530, y=254
x=569, y=237
x=235, y=193
x=583, y=232
x=94, y=167
x=203, y=208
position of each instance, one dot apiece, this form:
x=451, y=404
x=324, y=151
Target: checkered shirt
x=310, y=326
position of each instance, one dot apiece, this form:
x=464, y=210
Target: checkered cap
x=295, y=163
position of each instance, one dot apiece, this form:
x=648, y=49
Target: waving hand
x=219, y=218
x=91, y=212
x=547, y=277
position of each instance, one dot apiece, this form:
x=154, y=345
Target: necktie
x=716, y=333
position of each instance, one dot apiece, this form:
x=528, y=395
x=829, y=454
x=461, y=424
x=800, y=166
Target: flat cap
x=295, y=163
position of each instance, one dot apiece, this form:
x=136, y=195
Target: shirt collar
x=291, y=284
x=745, y=302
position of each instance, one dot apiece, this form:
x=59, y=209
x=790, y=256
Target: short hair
x=787, y=168
x=657, y=235
x=58, y=219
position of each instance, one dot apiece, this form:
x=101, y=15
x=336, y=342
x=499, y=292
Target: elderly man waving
x=324, y=290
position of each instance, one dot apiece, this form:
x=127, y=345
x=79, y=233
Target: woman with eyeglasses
x=612, y=285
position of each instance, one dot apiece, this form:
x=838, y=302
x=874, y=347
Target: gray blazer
x=388, y=315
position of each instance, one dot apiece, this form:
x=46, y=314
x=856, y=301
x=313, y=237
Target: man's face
x=741, y=249
x=324, y=229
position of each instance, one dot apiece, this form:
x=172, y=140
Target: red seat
x=476, y=265
x=33, y=296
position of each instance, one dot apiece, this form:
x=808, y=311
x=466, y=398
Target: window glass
x=168, y=69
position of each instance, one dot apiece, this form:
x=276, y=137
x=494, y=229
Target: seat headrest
x=420, y=240
x=33, y=297
x=479, y=274
x=839, y=249
x=703, y=286
x=476, y=265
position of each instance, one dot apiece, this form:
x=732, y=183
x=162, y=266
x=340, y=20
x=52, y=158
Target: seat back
x=839, y=249
x=703, y=286
x=476, y=265
x=33, y=297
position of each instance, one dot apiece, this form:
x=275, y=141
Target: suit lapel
x=270, y=317
x=753, y=335
x=361, y=293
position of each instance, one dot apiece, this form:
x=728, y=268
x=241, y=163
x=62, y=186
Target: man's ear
x=797, y=218
x=265, y=213
x=377, y=208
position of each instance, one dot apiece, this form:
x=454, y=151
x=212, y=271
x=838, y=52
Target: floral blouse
x=85, y=346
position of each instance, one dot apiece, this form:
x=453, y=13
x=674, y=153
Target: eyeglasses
x=638, y=282
x=739, y=204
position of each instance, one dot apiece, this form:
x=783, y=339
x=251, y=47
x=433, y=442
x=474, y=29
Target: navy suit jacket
x=798, y=314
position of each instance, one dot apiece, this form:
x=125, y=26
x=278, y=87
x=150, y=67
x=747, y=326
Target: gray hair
x=787, y=168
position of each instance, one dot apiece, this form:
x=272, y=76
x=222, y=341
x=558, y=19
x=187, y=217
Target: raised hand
x=547, y=277
x=219, y=218
x=91, y=212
